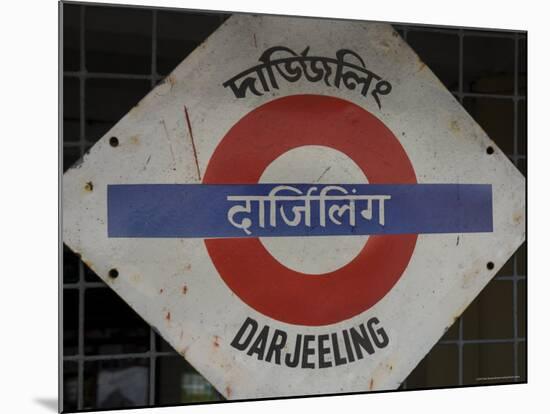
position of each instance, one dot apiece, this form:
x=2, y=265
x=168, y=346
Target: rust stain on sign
x=171, y=80
x=184, y=350
x=454, y=126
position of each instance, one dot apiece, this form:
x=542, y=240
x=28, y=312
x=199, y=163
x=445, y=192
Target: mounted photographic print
x=261, y=206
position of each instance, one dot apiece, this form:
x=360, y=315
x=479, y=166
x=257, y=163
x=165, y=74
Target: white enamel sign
x=301, y=207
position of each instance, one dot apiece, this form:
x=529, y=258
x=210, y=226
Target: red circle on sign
x=248, y=268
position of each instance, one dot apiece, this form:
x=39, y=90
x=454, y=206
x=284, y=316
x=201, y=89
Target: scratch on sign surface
x=169, y=143
x=323, y=174
x=146, y=163
x=192, y=142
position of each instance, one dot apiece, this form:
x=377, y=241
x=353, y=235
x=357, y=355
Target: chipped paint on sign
x=286, y=214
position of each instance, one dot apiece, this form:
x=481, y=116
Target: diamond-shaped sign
x=301, y=207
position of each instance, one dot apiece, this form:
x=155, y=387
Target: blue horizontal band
x=203, y=211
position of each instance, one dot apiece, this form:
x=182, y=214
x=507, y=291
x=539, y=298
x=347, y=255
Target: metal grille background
x=113, y=56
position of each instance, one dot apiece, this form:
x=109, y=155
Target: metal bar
x=470, y=32
x=515, y=279
x=152, y=335
x=154, y=26
x=152, y=366
x=106, y=75
x=76, y=144
x=156, y=77
x=474, y=33
x=85, y=285
x=461, y=342
x=108, y=357
x=81, y=291
x=60, y=291
x=488, y=95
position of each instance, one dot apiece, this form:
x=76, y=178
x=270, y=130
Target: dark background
x=113, y=56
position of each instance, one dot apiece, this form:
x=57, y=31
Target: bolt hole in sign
x=300, y=208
